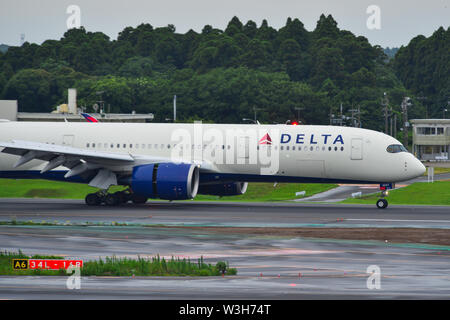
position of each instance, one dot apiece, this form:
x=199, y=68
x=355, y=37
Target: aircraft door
x=68, y=140
x=357, y=149
x=242, y=150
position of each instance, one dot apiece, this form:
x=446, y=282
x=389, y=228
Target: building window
x=426, y=131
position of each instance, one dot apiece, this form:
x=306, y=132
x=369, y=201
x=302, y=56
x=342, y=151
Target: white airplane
x=177, y=161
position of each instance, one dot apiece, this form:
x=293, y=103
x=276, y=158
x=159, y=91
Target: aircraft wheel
x=92, y=199
x=139, y=199
x=112, y=200
x=382, y=204
x=122, y=197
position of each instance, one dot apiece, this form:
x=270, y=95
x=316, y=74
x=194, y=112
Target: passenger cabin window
x=396, y=148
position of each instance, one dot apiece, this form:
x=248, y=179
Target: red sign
x=56, y=264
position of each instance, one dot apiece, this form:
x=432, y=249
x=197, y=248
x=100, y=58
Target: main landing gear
x=113, y=199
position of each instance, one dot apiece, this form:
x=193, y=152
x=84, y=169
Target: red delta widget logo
x=301, y=138
x=265, y=140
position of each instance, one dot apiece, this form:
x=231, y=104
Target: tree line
x=223, y=75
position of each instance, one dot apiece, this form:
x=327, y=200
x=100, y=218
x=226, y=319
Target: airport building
x=431, y=139
x=66, y=112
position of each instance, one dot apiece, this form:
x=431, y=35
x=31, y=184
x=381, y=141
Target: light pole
x=387, y=111
x=356, y=122
x=405, y=104
x=254, y=110
x=174, y=108
x=298, y=112
x=445, y=109
x=101, y=102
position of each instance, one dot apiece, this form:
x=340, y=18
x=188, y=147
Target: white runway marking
x=400, y=220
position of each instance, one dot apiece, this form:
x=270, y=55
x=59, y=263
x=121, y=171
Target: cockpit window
x=395, y=148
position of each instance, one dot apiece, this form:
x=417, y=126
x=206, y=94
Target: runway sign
x=20, y=264
x=45, y=264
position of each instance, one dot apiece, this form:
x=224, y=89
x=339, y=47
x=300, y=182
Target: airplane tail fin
x=89, y=118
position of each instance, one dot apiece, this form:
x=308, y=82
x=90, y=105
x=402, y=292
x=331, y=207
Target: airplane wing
x=96, y=164
x=100, y=168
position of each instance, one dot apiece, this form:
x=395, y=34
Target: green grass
x=155, y=266
x=43, y=189
x=113, y=266
x=7, y=270
x=438, y=170
x=10, y=188
x=419, y=193
x=267, y=192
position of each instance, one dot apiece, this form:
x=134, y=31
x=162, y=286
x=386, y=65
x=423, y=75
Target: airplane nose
x=417, y=168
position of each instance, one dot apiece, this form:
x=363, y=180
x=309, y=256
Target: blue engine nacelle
x=224, y=189
x=168, y=181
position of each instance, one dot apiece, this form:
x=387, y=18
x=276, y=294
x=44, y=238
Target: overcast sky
x=401, y=20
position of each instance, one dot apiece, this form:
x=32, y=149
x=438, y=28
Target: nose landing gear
x=383, y=203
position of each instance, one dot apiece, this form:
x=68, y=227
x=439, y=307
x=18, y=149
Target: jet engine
x=168, y=181
x=224, y=189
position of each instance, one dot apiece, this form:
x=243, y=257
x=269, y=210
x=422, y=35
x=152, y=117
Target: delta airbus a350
x=178, y=161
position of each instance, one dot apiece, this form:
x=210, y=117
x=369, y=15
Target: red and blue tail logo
x=89, y=118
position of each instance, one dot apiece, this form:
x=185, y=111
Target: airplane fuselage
x=226, y=152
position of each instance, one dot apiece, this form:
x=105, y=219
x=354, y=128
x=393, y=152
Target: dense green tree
x=33, y=89
x=221, y=75
x=424, y=68
x=137, y=67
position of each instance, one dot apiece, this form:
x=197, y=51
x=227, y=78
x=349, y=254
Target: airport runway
x=193, y=213
x=269, y=267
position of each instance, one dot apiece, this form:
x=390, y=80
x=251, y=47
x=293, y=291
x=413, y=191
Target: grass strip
x=116, y=266
x=419, y=193
x=256, y=192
